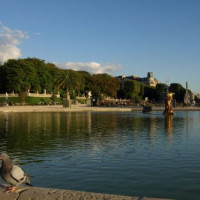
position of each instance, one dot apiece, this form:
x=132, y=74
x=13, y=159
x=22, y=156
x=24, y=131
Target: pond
x=126, y=153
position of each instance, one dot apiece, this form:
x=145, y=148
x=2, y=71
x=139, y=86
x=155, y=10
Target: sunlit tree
x=62, y=82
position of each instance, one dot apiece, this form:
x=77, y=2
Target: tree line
x=35, y=75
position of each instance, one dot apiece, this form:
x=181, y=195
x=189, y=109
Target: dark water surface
x=128, y=153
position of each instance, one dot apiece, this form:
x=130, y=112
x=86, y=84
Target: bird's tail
x=29, y=184
x=29, y=176
x=27, y=181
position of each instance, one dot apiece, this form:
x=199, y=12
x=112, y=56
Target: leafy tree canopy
x=178, y=91
x=20, y=75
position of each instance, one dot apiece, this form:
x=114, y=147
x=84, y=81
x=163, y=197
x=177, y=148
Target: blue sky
x=130, y=37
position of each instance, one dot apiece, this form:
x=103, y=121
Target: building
x=149, y=80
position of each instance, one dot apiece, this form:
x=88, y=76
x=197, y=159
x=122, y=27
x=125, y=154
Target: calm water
x=128, y=153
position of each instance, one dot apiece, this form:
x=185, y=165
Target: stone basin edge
x=36, y=193
x=60, y=108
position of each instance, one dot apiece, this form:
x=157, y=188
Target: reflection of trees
x=25, y=131
x=152, y=125
x=187, y=122
x=91, y=131
x=37, y=131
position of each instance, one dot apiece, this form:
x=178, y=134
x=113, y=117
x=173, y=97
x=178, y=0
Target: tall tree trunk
x=67, y=92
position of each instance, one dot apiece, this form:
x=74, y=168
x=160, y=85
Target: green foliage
x=67, y=103
x=39, y=100
x=2, y=80
x=63, y=82
x=160, y=88
x=82, y=101
x=76, y=82
x=32, y=100
x=87, y=81
x=20, y=75
x=2, y=99
x=71, y=81
x=178, y=90
x=133, y=90
x=28, y=74
x=129, y=89
x=12, y=100
x=104, y=84
x=22, y=97
x=150, y=92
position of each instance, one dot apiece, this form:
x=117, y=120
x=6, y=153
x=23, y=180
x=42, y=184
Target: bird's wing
x=17, y=173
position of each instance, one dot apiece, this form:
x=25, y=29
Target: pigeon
x=12, y=174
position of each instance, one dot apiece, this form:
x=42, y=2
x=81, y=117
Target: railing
x=28, y=94
x=116, y=100
x=9, y=95
x=38, y=95
x=81, y=98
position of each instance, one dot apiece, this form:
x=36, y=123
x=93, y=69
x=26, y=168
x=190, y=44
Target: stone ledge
x=84, y=108
x=34, y=193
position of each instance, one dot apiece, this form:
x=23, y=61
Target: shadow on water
x=127, y=153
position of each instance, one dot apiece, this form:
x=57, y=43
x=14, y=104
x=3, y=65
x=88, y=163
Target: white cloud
x=9, y=42
x=92, y=67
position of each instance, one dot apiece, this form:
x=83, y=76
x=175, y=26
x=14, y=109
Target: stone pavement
x=84, y=108
x=34, y=193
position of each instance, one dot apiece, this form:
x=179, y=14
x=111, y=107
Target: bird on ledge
x=12, y=174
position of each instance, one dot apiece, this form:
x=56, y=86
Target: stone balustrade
x=29, y=94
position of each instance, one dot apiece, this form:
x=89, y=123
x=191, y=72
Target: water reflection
x=169, y=124
x=25, y=131
x=152, y=124
x=89, y=149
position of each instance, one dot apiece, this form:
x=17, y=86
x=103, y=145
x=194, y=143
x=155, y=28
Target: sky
x=130, y=37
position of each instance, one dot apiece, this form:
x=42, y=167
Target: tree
x=46, y=74
x=106, y=85
x=150, y=92
x=52, y=72
x=160, y=88
x=178, y=91
x=19, y=75
x=76, y=82
x=14, y=75
x=133, y=89
x=87, y=78
x=63, y=82
x=2, y=80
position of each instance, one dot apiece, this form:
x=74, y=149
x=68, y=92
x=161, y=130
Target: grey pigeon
x=12, y=174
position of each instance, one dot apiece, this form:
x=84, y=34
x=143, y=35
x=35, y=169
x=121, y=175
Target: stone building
x=149, y=80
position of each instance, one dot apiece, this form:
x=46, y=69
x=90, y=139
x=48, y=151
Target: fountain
x=168, y=96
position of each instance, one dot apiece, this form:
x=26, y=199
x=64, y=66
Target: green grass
x=41, y=100
x=82, y=101
x=14, y=100
x=32, y=100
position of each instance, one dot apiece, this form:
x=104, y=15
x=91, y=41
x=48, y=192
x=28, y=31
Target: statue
x=187, y=98
x=168, y=104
